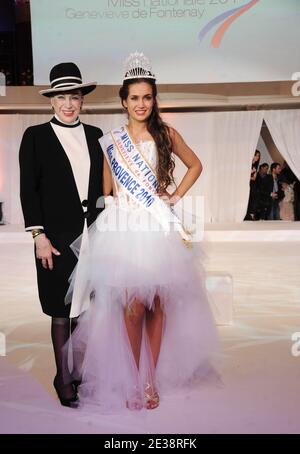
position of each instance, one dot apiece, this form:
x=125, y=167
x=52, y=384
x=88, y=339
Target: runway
x=259, y=387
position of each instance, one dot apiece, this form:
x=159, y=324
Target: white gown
x=122, y=266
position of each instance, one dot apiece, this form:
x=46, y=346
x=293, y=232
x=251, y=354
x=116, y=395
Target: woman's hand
x=169, y=199
x=44, y=251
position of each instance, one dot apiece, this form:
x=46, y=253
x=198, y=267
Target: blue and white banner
x=134, y=175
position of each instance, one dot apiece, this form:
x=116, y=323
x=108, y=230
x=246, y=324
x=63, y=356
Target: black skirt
x=53, y=284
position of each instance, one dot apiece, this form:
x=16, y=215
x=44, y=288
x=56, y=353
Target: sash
x=133, y=173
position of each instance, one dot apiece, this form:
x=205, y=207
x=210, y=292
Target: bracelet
x=36, y=232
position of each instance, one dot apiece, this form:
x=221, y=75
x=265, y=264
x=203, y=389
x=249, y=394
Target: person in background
x=288, y=175
x=271, y=192
x=252, y=203
x=262, y=203
x=286, y=205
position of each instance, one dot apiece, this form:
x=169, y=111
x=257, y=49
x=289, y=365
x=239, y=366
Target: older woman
x=60, y=170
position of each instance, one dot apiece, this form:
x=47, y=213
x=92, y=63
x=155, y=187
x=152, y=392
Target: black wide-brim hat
x=66, y=77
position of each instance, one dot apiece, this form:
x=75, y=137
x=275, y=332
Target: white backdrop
x=284, y=126
x=224, y=141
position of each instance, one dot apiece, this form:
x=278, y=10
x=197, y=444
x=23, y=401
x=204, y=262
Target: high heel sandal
x=151, y=398
x=134, y=405
x=65, y=401
x=135, y=400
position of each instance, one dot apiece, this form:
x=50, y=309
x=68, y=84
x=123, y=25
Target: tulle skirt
x=126, y=265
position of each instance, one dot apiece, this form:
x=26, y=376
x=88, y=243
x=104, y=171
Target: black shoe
x=65, y=401
x=76, y=384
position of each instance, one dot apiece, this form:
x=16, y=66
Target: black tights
x=61, y=328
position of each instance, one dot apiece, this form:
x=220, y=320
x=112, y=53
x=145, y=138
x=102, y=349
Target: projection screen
x=188, y=41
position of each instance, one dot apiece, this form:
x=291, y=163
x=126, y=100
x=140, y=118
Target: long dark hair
x=160, y=132
x=256, y=163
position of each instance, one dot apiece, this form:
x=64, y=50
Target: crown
x=137, y=66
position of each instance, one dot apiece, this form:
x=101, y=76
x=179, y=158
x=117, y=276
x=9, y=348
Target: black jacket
x=48, y=190
x=265, y=187
x=50, y=198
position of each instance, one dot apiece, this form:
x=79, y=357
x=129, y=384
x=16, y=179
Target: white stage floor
x=260, y=390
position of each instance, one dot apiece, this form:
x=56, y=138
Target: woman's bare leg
x=154, y=325
x=133, y=316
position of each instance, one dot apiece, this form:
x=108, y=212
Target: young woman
x=251, y=214
x=149, y=326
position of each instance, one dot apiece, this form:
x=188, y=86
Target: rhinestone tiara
x=138, y=66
